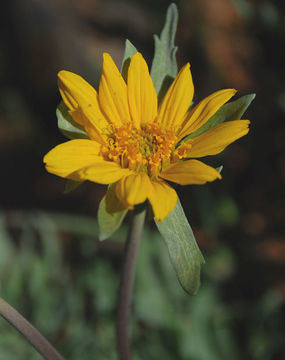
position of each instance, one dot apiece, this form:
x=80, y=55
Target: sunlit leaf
x=183, y=250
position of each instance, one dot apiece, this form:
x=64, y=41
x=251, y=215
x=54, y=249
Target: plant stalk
x=31, y=334
x=126, y=285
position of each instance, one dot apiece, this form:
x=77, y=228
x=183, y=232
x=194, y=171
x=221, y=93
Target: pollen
x=143, y=150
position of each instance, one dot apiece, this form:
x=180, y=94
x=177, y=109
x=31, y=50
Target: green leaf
x=111, y=213
x=228, y=112
x=164, y=65
x=130, y=50
x=67, y=125
x=71, y=185
x=183, y=250
x=220, y=169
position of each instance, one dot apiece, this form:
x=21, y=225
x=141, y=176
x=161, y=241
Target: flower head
x=135, y=143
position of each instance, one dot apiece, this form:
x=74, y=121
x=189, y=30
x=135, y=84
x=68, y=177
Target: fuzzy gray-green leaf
x=228, y=112
x=111, y=213
x=71, y=185
x=164, y=65
x=67, y=125
x=183, y=250
x=130, y=50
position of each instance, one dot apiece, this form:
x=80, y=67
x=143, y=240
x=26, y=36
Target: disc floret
x=146, y=149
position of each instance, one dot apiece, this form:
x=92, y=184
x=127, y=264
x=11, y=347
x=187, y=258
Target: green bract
x=228, y=112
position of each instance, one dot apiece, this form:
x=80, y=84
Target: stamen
x=143, y=150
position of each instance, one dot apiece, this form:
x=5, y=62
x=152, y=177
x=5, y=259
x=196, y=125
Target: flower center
x=143, y=150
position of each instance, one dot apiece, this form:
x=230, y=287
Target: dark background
x=239, y=222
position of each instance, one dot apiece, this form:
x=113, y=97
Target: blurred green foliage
x=55, y=272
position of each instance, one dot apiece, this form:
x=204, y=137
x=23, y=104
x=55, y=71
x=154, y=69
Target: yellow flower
x=135, y=143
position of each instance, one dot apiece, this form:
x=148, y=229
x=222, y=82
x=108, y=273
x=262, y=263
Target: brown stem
x=126, y=285
x=28, y=331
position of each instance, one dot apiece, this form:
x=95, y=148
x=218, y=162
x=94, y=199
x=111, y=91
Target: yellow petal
x=79, y=160
x=113, y=93
x=82, y=100
x=91, y=122
x=133, y=189
x=204, y=111
x=103, y=172
x=75, y=90
x=65, y=159
x=190, y=172
x=177, y=100
x=141, y=93
x=216, y=139
x=163, y=199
